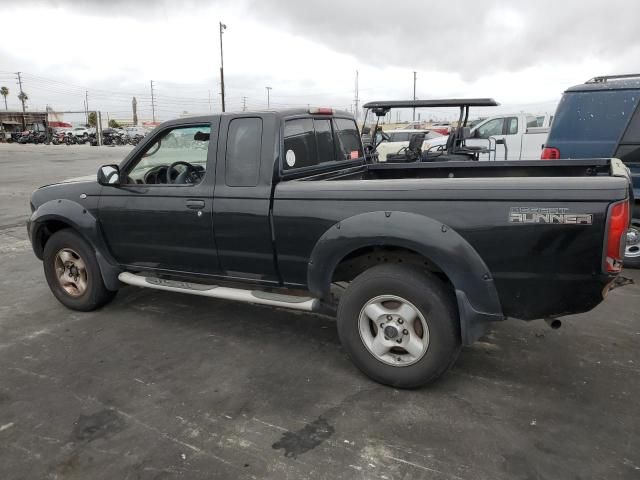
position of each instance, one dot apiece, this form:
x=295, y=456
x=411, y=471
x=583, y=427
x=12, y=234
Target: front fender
x=478, y=301
x=82, y=221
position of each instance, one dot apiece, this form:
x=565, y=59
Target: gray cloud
x=470, y=38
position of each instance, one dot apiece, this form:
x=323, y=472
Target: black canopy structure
x=382, y=107
x=456, y=136
x=450, y=102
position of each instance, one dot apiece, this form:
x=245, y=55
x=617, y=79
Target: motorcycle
x=111, y=136
x=70, y=139
x=26, y=137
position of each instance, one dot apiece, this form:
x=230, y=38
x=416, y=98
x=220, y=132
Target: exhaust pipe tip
x=554, y=323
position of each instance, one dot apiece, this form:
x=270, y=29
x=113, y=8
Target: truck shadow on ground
x=512, y=352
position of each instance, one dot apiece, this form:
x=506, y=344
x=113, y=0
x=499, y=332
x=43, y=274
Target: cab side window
x=491, y=128
x=244, y=142
x=512, y=125
x=177, y=156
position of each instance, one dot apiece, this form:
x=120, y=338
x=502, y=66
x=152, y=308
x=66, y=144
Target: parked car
x=601, y=118
x=136, y=131
x=522, y=137
x=413, y=126
x=399, y=139
x=80, y=131
x=524, y=134
x=414, y=259
x=443, y=128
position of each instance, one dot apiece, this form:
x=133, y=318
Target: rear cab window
x=311, y=142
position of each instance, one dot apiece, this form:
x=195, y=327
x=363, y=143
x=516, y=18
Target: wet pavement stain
x=305, y=439
x=100, y=424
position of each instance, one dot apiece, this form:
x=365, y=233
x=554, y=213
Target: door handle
x=195, y=204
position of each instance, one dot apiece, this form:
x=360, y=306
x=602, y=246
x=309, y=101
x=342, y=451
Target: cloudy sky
x=522, y=53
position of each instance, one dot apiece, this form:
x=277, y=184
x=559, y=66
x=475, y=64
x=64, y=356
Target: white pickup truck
x=524, y=134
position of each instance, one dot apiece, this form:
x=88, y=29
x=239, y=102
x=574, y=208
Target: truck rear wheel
x=73, y=273
x=399, y=325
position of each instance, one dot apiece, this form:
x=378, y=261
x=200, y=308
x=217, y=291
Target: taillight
x=550, y=153
x=617, y=225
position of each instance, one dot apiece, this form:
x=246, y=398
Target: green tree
x=93, y=119
x=114, y=124
x=4, y=91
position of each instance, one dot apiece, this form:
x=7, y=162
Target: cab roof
x=281, y=113
x=450, y=102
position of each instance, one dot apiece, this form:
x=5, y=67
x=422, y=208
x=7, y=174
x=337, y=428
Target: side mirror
x=475, y=134
x=109, y=175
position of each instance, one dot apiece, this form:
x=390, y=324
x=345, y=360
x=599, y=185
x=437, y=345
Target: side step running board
x=247, y=296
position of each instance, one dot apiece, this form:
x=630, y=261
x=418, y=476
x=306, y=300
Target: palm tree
x=23, y=97
x=4, y=91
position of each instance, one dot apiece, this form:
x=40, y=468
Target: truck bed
x=559, y=262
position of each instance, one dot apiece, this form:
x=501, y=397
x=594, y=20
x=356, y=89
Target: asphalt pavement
x=160, y=386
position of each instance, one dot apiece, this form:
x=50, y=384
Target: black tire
x=96, y=294
x=430, y=297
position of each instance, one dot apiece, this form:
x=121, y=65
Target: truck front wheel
x=73, y=273
x=399, y=325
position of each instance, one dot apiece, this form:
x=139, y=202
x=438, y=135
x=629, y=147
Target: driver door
x=490, y=128
x=153, y=222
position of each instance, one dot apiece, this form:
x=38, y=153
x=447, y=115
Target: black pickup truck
x=283, y=208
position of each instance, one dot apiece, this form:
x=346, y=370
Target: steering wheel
x=189, y=175
x=384, y=137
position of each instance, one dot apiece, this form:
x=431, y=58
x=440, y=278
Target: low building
x=16, y=121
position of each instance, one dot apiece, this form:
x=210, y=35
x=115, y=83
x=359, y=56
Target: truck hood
x=70, y=189
x=83, y=179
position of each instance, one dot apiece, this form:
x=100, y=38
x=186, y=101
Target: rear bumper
x=552, y=297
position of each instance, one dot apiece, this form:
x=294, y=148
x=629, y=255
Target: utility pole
x=99, y=129
x=356, y=99
x=153, y=104
x=24, y=122
x=86, y=107
x=244, y=104
x=414, y=95
x=268, y=96
x=134, y=108
x=222, y=28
